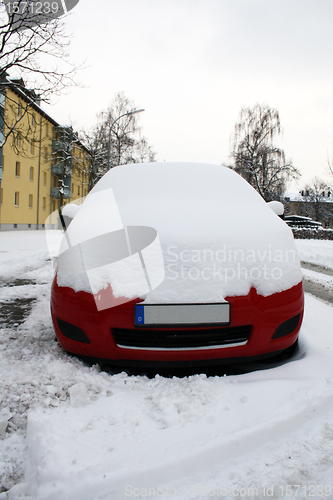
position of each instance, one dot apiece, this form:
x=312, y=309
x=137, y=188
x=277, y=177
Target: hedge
x=312, y=233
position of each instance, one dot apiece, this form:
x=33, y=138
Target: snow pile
x=35, y=371
x=15, y=259
x=316, y=252
x=215, y=235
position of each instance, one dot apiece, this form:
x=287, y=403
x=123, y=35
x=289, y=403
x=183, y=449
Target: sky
x=194, y=64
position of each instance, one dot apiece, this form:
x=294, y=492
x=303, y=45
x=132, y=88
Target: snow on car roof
x=216, y=234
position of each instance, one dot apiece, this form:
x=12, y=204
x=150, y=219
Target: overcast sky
x=193, y=64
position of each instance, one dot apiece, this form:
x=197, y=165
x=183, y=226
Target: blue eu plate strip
x=139, y=315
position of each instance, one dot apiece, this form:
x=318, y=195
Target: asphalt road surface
x=315, y=288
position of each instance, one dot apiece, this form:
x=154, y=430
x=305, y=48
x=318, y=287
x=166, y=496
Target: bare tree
x=144, y=152
x=255, y=157
x=98, y=157
x=126, y=145
x=35, y=54
x=69, y=158
x=330, y=165
x=319, y=196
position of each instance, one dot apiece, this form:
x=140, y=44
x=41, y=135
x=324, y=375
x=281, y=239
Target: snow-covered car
x=175, y=263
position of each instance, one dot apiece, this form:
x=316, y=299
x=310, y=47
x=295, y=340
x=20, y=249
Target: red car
x=176, y=264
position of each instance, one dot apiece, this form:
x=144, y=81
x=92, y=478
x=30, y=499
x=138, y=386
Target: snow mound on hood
x=217, y=235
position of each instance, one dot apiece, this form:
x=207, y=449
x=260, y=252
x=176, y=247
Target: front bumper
x=273, y=323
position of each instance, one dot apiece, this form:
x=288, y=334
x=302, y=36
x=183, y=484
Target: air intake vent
x=181, y=339
x=286, y=327
x=72, y=332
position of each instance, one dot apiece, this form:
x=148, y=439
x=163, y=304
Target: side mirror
x=277, y=207
x=68, y=213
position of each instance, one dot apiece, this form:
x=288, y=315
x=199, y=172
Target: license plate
x=182, y=314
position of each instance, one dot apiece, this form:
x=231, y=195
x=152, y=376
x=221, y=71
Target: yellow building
x=42, y=165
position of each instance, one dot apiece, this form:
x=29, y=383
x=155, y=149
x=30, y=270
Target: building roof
x=33, y=99
x=28, y=95
x=294, y=196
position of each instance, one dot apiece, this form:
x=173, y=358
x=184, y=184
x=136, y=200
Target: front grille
x=181, y=339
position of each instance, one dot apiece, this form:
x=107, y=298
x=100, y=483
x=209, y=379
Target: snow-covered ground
x=316, y=252
x=69, y=430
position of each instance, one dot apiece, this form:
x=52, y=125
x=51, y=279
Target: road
x=317, y=289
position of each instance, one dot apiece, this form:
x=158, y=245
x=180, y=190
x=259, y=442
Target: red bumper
x=274, y=320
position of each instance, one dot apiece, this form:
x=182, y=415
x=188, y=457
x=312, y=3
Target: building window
x=33, y=121
x=78, y=190
x=46, y=129
x=55, y=181
x=1, y=197
x=55, y=207
x=30, y=200
x=32, y=147
x=72, y=187
x=18, y=140
x=17, y=199
x=3, y=164
x=19, y=108
x=46, y=154
x=17, y=169
x=44, y=203
x=31, y=174
x=44, y=178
